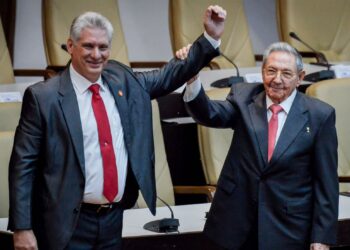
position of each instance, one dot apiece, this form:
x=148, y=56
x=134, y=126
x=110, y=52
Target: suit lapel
x=257, y=111
x=70, y=109
x=117, y=87
x=295, y=122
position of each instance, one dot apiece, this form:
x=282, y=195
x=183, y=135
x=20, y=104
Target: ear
x=301, y=76
x=70, y=45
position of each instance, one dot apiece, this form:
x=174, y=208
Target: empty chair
x=9, y=115
x=323, y=24
x=6, y=142
x=57, y=17
x=6, y=70
x=336, y=93
x=164, y=186
x=186, y=25
x=214, y=143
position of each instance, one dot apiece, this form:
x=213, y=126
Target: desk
x=14, y=87
x=192, y=220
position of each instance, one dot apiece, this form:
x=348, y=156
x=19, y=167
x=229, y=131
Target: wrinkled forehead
x=281, y=60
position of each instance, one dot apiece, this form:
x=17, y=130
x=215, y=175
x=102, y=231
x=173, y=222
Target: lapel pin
x=307, y=129
x=120, y=93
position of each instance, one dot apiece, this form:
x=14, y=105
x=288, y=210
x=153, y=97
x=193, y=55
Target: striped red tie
x=110, y=175
x=273, y=126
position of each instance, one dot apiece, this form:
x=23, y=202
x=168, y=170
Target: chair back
x=6, y=142
x=214, y=143
x=336, y=93
x=186, y=24
x=164, y=185
x=6, y=70
x=323, y=24
x=57, y=17
x=9, y=115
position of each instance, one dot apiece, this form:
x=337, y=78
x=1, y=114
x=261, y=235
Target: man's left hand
x=318, y=246
x=214, y=20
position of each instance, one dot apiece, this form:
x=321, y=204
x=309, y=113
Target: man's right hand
x=214, y=21
x=182, y=54
x=24, y=240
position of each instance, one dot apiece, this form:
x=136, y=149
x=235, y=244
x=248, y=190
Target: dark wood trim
x=155, y=64
x=29, y=72
x=308, y=54
x=8, y=19
x=258, y=57
x=344, y=179
x=206, y=190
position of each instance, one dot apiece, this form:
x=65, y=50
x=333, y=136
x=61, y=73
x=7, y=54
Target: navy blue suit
x=293, y=199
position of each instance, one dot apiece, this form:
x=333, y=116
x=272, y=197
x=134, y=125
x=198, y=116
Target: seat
x=9, y=113
x=7, y=73
x=336, y=93
x=6, y=70
x=6, y=142
x=164, y=186
x=186, y=24
x=214, y=143
x=323, y=24
x=57, y=16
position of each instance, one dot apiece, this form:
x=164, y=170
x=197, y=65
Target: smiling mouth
x=274, y=88
x=95, y=64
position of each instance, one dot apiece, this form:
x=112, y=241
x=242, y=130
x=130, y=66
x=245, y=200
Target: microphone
x=228, y=81
x=321, y=60
x=320, y=57
x=166, y=225
x=64, y=47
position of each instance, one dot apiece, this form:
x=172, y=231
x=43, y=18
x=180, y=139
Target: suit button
x=76, y=210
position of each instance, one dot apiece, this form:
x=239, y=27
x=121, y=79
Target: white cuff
x=213, y=42
x=192, y=90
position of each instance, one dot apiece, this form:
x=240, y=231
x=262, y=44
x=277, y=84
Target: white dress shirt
x=193, y=89
x=93, y=192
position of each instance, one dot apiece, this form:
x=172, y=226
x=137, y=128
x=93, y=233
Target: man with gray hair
x=84, y=144
x=278, y=188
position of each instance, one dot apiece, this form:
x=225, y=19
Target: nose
x=95, y=53
x=278, y=77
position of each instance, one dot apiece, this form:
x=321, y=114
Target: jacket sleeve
x=23, y=163
x=175, y=73
x=326, y=187
x=213, y=113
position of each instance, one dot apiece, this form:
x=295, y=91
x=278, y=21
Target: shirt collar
x=286, y=104
x=82, y=84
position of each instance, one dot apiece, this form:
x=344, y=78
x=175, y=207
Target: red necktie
x=110, y=175
x=273, y=126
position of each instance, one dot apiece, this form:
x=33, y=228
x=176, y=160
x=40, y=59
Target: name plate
x=253, y=77
x=10, y=97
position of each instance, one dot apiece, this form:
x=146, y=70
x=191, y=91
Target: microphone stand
x=166, y=225
x=321, y=60
x=228, y=81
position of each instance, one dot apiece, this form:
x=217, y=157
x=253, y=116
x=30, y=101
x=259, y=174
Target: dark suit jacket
x=47, y=168
x=294, y=197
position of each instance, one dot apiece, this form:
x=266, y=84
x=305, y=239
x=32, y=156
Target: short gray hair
x=90, y=20
x=284, y=47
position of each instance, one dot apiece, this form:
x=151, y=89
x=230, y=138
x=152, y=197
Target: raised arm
x=177, y=72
